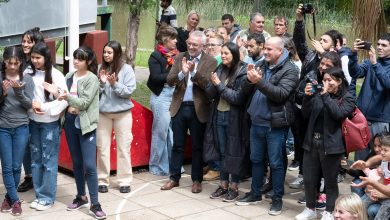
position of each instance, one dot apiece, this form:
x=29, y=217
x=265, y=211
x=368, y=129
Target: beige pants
x=121, y=122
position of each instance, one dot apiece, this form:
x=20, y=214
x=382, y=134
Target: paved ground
x=141, y=73
x=147, y=201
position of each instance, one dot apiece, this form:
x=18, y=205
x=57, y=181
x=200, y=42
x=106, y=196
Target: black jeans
x=184, y=120
x=298, y=129
x=316, y=161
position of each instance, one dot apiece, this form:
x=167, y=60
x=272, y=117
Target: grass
x=142, y=94
x=141, y=58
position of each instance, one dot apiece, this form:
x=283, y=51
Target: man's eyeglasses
x=192, y=44
x=213, y=45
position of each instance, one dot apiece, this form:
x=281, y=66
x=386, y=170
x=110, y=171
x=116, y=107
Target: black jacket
x=158, y=72
x=238, y=130
x=336, y=109
x=279, y=91
x=310, y=59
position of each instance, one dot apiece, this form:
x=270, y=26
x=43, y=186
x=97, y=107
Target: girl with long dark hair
x=117, y=83
x=44, y=125
x=16, y=99
x=81, y=119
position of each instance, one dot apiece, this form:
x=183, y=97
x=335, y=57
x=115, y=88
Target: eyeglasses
x=213, y=45
x=192, y=44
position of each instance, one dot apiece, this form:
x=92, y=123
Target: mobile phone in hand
x=366, y=45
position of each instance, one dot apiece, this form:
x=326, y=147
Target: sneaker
x=294, y=165
x=16, y=208
x=302, y=200
x=43, y=207
x=218, y=193
x=97, y=212
x=6, y=205
x=34, y=204
x=307, y=214
x=211, y=175
x=340, y=177
x=231, y=195
x=266, y=187
x=26, y=185
x=249, y=199
x=297, y=183
x=327, y=216
x=276, y=206
x=77, y=203
x=321, y=202
x=290, y=152
x=269, y=194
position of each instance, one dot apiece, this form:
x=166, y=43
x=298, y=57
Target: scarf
x=169, y=55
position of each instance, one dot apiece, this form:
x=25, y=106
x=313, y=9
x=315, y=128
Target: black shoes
x=249, y=199
x=124, y=189
x=103, y=188
x=276, y=207
x=26, y=185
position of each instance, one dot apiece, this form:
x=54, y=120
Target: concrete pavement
x=146, y=201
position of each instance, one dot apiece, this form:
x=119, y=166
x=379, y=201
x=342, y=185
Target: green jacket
x=87, y=101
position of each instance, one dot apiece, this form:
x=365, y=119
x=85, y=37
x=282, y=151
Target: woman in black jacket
x=227, y=120
x=160, y=62
x=323, y=145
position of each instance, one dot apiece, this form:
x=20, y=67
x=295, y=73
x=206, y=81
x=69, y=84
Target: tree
x=369, y=19
x=135, y=9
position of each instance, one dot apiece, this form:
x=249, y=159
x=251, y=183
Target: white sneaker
x=34, y=204
x=307, y=214
x=43, y=207
x=297, y=183
x=327, y=216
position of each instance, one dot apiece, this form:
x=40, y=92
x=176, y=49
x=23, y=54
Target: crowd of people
x=242, y=95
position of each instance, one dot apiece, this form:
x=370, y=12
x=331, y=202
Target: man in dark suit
x=190, y=107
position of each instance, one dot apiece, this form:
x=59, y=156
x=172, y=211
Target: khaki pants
x=122, y=123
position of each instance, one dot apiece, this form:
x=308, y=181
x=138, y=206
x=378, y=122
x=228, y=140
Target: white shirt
x=52, y=109
x=188, y=95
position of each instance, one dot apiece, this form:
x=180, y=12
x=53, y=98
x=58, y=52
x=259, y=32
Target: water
x=147, y=25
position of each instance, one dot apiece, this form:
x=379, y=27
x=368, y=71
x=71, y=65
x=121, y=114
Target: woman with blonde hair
x=193, y=20
x=350, y=207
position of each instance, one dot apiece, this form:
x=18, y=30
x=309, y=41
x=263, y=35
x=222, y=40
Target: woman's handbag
x=356, y=132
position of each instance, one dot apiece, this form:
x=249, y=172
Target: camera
x=307, y=8
x=315, y=86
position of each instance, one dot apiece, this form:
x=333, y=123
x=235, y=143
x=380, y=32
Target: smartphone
x=366, y=45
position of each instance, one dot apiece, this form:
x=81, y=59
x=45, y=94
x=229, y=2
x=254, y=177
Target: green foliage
x=137, y=6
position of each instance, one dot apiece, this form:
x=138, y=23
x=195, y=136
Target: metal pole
x=73, y=38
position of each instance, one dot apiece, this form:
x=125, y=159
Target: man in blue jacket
x=374, y=96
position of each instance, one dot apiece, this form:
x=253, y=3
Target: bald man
x=273, y=82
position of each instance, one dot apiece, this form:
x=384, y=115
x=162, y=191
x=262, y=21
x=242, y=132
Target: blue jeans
x=45, y=145
x=222, y=135
x=27, y=161
x=82, y=149
x=13, y=142
x=162, y=136
x=271, y=140
x=359, y=191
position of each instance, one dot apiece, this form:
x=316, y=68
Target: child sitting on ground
x=377, y=191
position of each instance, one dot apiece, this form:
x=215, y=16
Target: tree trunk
x=132, y=38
